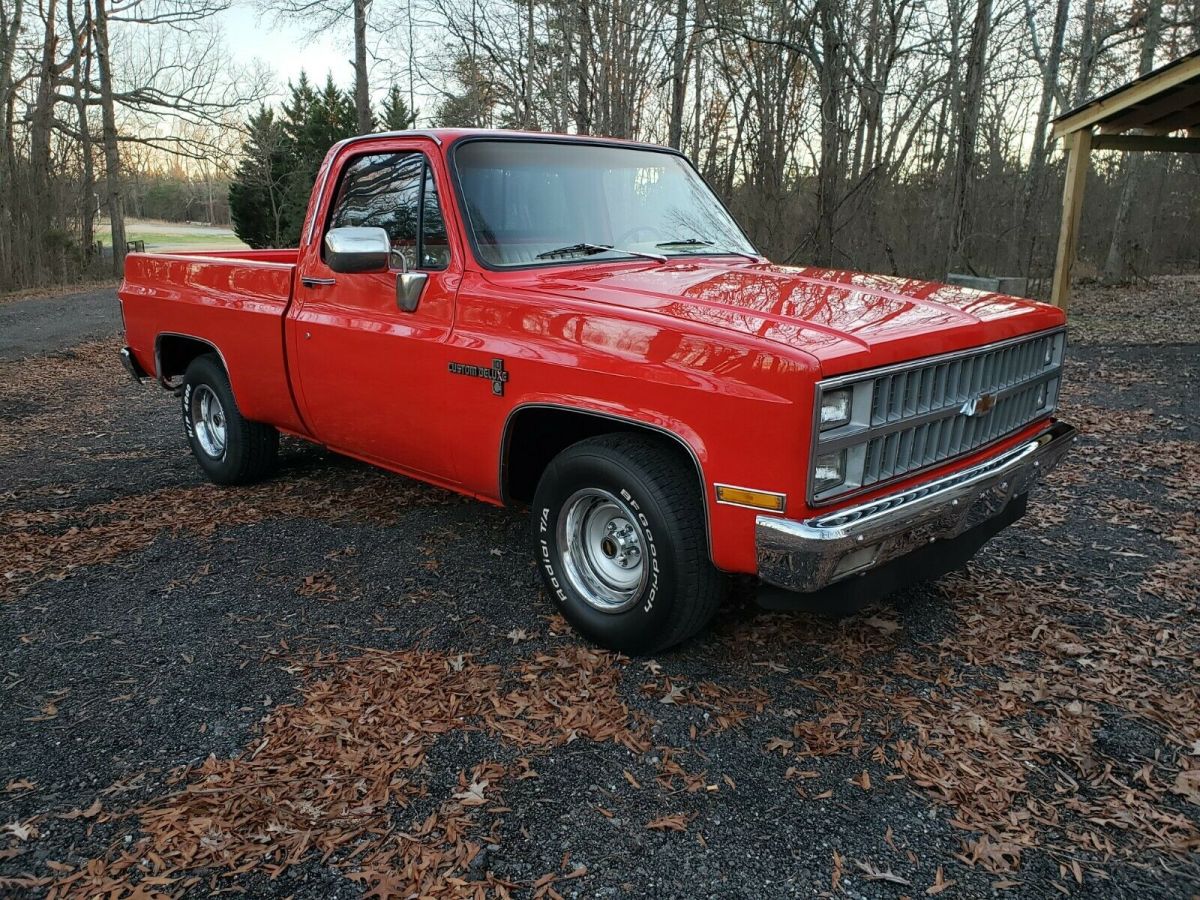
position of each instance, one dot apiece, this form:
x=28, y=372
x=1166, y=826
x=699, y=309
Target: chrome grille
x=910, y=417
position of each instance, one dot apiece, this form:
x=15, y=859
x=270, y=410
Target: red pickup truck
x=579, y=325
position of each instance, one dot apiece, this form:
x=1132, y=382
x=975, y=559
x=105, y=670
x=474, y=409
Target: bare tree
x=1119, y=263
x=110, y=138
x=80, y=85
x=679, y=71
x=891, y=134
x=964, y=161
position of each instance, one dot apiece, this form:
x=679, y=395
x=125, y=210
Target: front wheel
x=230, y=448
x=619, y=534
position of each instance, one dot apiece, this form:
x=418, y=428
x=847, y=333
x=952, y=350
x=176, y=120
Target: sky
x=286, y=49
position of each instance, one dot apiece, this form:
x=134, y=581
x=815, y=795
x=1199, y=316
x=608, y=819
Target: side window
x=395, y=192
x=435, y=246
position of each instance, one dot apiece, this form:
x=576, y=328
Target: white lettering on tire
x=187, y=405
x=547, y=557
x=652, y=592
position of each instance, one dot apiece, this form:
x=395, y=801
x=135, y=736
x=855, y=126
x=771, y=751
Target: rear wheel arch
x=173, y=353
x=535, y=433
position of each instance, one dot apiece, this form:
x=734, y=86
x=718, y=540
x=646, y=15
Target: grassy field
x=176, y=236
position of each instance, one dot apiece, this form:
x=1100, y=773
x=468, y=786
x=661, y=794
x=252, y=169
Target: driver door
x=367, y=369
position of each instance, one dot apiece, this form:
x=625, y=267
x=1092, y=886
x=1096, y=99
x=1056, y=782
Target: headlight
x=835, y=408
x=829, y=471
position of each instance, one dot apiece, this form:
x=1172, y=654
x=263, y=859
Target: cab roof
x=447, y=136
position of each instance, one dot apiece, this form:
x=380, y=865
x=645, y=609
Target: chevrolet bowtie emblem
x=979, y=406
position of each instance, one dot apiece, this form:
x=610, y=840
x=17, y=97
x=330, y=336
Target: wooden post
x=1079, y=153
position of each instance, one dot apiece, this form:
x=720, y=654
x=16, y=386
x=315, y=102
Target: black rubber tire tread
x=251, y=448
x=699, y=587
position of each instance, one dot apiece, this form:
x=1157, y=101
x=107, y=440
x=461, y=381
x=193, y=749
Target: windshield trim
x=589, y=140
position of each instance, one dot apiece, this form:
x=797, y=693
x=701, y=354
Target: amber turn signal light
x=755, y=499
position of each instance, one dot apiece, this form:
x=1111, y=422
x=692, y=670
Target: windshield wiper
x=585, y=249
x=690, y=242
x=696, y=242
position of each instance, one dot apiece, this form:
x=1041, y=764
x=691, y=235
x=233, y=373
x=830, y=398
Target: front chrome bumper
x=813, y=554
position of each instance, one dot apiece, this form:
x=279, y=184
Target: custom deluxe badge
x=496, y=374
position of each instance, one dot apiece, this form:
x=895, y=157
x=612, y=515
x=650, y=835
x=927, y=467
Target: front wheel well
x=534, y=435
x=173, y=353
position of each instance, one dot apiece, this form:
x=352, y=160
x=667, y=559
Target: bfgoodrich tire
x=229, y=448
x=619, y=533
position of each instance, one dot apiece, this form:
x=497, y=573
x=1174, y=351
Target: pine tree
x=396, y=116
x=314, y=122
x=327, y=117
x=280, y=160
x=297, y=109
x=256, y=194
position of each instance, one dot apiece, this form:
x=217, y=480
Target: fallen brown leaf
x=676, y=822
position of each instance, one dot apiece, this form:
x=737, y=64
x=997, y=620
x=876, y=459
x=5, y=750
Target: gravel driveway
x=49, y=324
x=342, y=683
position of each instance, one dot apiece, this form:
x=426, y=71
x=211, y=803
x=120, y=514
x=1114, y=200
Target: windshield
x=540, y=202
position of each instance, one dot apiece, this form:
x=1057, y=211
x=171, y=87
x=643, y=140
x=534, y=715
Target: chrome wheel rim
x=603, y=549
x=208, y=421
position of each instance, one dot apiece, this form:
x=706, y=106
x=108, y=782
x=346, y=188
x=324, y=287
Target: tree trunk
x=112, y=149
x=82, y=77
x=362, y=87
x=527, y=116
x=1049, y=88
x=678, y=75
x=948, y=108
x=1119, y=264
x=1035, y=176
x=10, y=30
x=828, y=174
x=1087, y=54
x=41, y=202
x=964, y=162
x=583, y=104
x=698, y=79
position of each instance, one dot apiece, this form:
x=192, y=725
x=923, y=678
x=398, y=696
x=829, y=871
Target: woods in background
x=88, y=88
x=904, y=136
x=892, y=135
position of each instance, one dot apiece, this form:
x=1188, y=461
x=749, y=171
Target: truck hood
x=847, y=320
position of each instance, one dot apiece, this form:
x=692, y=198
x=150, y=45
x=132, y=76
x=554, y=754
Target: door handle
x=309, y=281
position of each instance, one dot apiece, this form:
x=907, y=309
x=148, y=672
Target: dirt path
x=48, y=324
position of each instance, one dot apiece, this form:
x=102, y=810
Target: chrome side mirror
x=353, y=248
x=409, y=286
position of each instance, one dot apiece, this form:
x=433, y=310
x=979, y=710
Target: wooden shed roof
x=1159, y=102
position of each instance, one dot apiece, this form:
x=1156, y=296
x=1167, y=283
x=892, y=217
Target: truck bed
x=235, y=300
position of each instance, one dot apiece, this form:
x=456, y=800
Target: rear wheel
x=619, y=533
x=229, y=448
